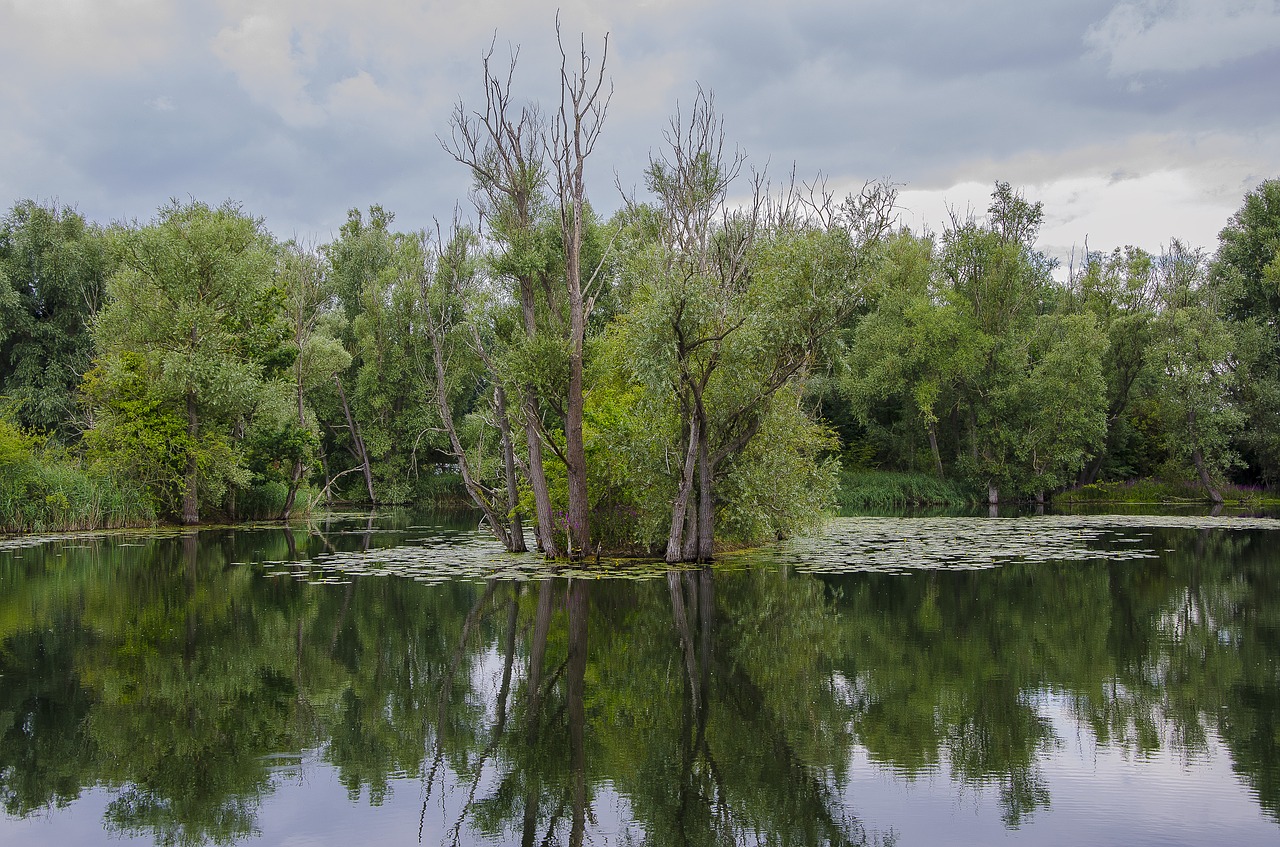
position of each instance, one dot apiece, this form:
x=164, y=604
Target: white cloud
x=1141, y=36
x=68, y=37
x=1142, y=190
x=259, y=50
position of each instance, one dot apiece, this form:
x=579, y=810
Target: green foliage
x=213, y=365
x=53, y=268
x=963, y=341
x=784, y=482
x=45, y=489
x=862, y=490
x=1195, y=353
x=1246, y=273
x=1148, y=491
x=191, y=331
x=137, y=433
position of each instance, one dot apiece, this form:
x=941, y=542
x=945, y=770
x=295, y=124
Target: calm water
x=901, y=681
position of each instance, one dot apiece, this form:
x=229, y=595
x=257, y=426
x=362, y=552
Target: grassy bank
x=45, y=494
x=1154, y=491
x=865, y=489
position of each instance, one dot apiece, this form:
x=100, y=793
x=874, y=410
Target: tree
x=1247, y=272
x=1033, y=404
x=729, y=306
x=53, y=271
x=188, y=336
x=575, y=130
x=1119, y=290
x=1195, y=354
x=914, y=345
x=445, y=278
x=357, y=257
x=319, y=355
x=504, y=151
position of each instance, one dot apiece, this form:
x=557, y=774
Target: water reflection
x=701, y=707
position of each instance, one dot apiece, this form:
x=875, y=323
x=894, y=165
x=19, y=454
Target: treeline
x=973, y=362
x=686, y=374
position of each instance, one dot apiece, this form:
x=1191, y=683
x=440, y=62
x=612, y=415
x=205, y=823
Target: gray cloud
x=304, y=108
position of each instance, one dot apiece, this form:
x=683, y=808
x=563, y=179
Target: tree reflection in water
x=613, y=716
x=703, y=707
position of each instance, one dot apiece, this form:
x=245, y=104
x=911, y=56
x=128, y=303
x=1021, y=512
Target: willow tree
x=451, y=313
x=187, y=336
x=1032, y=409
x=1246, y=273
x=913, y=346
x=731, y=304
x=1119, y=290
x=1195, y=355
x=575, y=129
x=515, y=158
x=503, y=145
x=318, y=354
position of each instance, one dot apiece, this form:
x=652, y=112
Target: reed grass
x=56, y=493
x=866, y=489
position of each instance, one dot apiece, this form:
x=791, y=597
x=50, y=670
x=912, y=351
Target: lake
x=398, y=679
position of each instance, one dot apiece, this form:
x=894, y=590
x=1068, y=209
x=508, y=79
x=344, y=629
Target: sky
x=1133, y=122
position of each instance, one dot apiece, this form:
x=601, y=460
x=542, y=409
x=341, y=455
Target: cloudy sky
x=1133, y=121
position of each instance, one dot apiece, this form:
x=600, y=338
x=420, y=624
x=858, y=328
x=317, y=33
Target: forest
x=714, y=363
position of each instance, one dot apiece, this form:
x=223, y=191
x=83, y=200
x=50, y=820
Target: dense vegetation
x=688, y=373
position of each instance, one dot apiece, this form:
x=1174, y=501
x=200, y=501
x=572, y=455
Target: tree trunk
x=1089, y=474
x=517, y=544
x=357, y=440
x=295, y=476
x=706, y=508
x=295, y=480
x=933, y=446
x=578, y=534
x=689, y=547
x=538, y=477
x=497, y=523
x=577, y=128
x=675, y=546
x=191, y=495
x=1197, y=458
x=328, y=478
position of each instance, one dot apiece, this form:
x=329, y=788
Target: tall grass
x=864, y=489
x=53, y=493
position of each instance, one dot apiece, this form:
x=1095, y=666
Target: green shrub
x=1152, y=491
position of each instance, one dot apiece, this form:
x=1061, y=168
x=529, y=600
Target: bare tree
x=575, y=129
x=503, y=147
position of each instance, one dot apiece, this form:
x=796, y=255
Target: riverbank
x=1158, y=492
x=872, y=489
